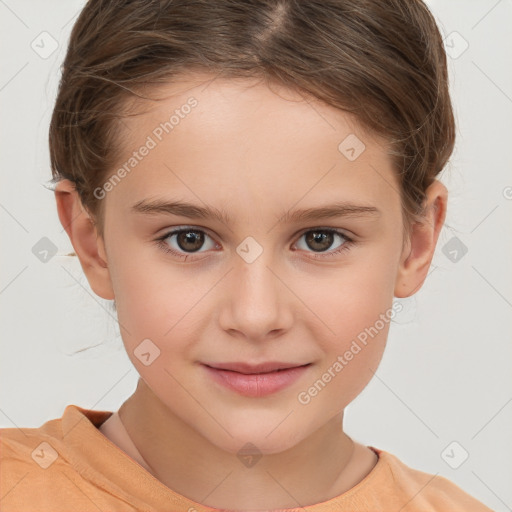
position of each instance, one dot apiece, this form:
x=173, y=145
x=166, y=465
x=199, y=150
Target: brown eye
x=319, y=240
x=185, y=242
x=322, y=240
x=190, y=240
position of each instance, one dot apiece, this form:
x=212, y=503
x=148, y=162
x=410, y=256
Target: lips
x=251, y=369
x=255, y=380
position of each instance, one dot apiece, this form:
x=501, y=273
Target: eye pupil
x=196, y=238
x=324, y=238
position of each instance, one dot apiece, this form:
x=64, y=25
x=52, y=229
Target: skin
x=256, y=152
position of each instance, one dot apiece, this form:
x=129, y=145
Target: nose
x=258, y=304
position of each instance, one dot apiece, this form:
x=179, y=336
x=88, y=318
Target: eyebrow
x=191, y=211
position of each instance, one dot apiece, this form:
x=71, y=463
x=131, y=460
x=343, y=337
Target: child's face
x=255, y=156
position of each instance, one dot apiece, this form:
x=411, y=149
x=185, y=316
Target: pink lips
x=255, y=380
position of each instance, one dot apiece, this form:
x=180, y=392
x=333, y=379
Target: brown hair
x=381, y=60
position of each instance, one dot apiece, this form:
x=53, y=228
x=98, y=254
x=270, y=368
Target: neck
x=318, y=468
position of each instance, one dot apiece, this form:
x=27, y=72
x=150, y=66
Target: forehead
x=233, y=103
x=217, y=138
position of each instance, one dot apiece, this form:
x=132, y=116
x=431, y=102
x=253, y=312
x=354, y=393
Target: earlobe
x=417, y=256
x=83, y=234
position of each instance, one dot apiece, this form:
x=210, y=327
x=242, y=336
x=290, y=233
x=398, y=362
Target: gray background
x=445, y=376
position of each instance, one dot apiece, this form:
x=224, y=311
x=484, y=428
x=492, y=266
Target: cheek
x=151, y=296
x=347, y=300
x=356, y=313
x=352, y=355
x=161, y=311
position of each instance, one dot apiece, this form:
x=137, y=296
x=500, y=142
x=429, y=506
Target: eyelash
x=344, y=247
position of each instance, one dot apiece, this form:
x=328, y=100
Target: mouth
x=256, y=380
x=255, y=369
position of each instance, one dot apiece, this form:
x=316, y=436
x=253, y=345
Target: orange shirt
x=67, y=465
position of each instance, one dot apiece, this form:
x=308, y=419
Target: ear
x=82, y=231
x=419, y=251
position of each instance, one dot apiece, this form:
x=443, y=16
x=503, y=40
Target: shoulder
x=29, y=466
x=23, y=449
x=39, y=469
x=423, y=491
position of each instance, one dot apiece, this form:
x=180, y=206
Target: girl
x=294, y=145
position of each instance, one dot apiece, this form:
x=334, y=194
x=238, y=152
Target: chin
x=264, y=436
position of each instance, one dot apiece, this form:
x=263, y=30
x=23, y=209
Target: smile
x=255, y=380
